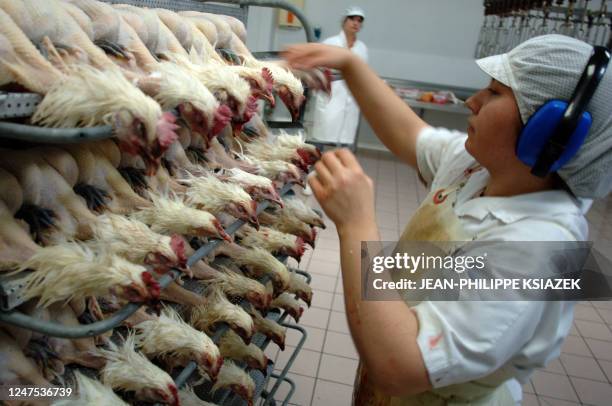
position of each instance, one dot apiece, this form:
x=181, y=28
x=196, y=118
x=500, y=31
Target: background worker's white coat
x=336, y=117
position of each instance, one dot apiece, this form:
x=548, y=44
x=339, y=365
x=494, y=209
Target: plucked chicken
x=176, y=343
x=136, y=242
x=169, y=215
x=220, y=310
x=91, y=392
x=235, y=378
x=274, y=241
x=131, y=371
x=269, y=328
x=257, y=261
x=72, y=270
x=232, y=347
x=235, y=285
x=287, y=302
x=213, y=195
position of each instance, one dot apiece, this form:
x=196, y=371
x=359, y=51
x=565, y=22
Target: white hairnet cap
x=549, y=67
x=354, y=11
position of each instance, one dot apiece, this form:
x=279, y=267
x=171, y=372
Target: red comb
x=269, y=78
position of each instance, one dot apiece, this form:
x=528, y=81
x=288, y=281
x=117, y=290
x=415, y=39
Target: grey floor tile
x=338, y=322
x=582, y=367
x=314, y=338
x=592, y=392
x=553, y=385
x=588, y=313
x=324, y=268
x=600, y=349
x=306, y=362
x=338, y=369
x=322, y=300
x=324, y=283
x=340, y=344
x=598, y=331
x=576, y=345
x=315, y=317
x=302, y=396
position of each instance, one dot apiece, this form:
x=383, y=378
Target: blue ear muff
x=540, y=129
x=555, y=132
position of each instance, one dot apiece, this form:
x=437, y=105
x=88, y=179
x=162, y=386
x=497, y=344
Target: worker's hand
x=308, y=56
x=344, y=191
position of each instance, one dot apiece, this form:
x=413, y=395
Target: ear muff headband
x=555, y=132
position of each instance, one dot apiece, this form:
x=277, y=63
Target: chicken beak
x=221, y=232
x=216, y=365
x=269, y=97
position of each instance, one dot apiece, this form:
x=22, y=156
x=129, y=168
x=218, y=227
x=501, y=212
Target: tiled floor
x=324, y=370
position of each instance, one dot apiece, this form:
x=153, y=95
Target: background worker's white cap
x=548, y=67
x=354, y=11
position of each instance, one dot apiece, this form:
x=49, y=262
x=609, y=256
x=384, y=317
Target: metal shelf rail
x=20, y=319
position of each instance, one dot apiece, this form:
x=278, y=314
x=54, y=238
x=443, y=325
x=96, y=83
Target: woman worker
x=336, y=117
x=459, y=353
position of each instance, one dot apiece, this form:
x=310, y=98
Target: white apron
x=435, y=220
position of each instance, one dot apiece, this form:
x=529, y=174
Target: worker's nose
x=473, y=103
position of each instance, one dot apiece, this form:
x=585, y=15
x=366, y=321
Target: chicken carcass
x=287, y=302
x=233, y=377
x=136, y=242
x=288, y=148
x=91, y=392
x=20, y=61
x=84, y=95
x=213, y=195
x=16, y=245
x=101, y=185
x=300, y=287
x=235, y=285
x=274, y=241
x=169, y=338
x=51, y=208
x=131, y=371
x=284, y=221
x=269, y=328
x=259, y=187
x=232, y=347
x=71, y=270
x=15, y=367
x=296, y=207
x=257, y=261
x=220, y=310
x=169, y=215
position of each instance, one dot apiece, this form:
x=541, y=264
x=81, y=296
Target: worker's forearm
x=384, y=331
x=390, y=117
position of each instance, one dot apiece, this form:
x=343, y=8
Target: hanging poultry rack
x=9, y=300
x=21, y=105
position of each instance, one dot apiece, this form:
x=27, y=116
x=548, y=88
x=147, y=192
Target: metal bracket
x=14, y=105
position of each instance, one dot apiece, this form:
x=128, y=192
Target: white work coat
x=336, y=118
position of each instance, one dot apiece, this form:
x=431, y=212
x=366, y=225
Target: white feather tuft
x=178, y=85
x=171, y=215
x=261, y=262
x=131, y=239
x=211, y=194
x=91, y=392
x=232, y=346
x=234, y=284
x=129, y=370
x=237, y=175
x=188, y=398
x=88, y=97
x=232, y=374
x=71, y=270
x=218, y=309
x=267, y=238
x=168, y=336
